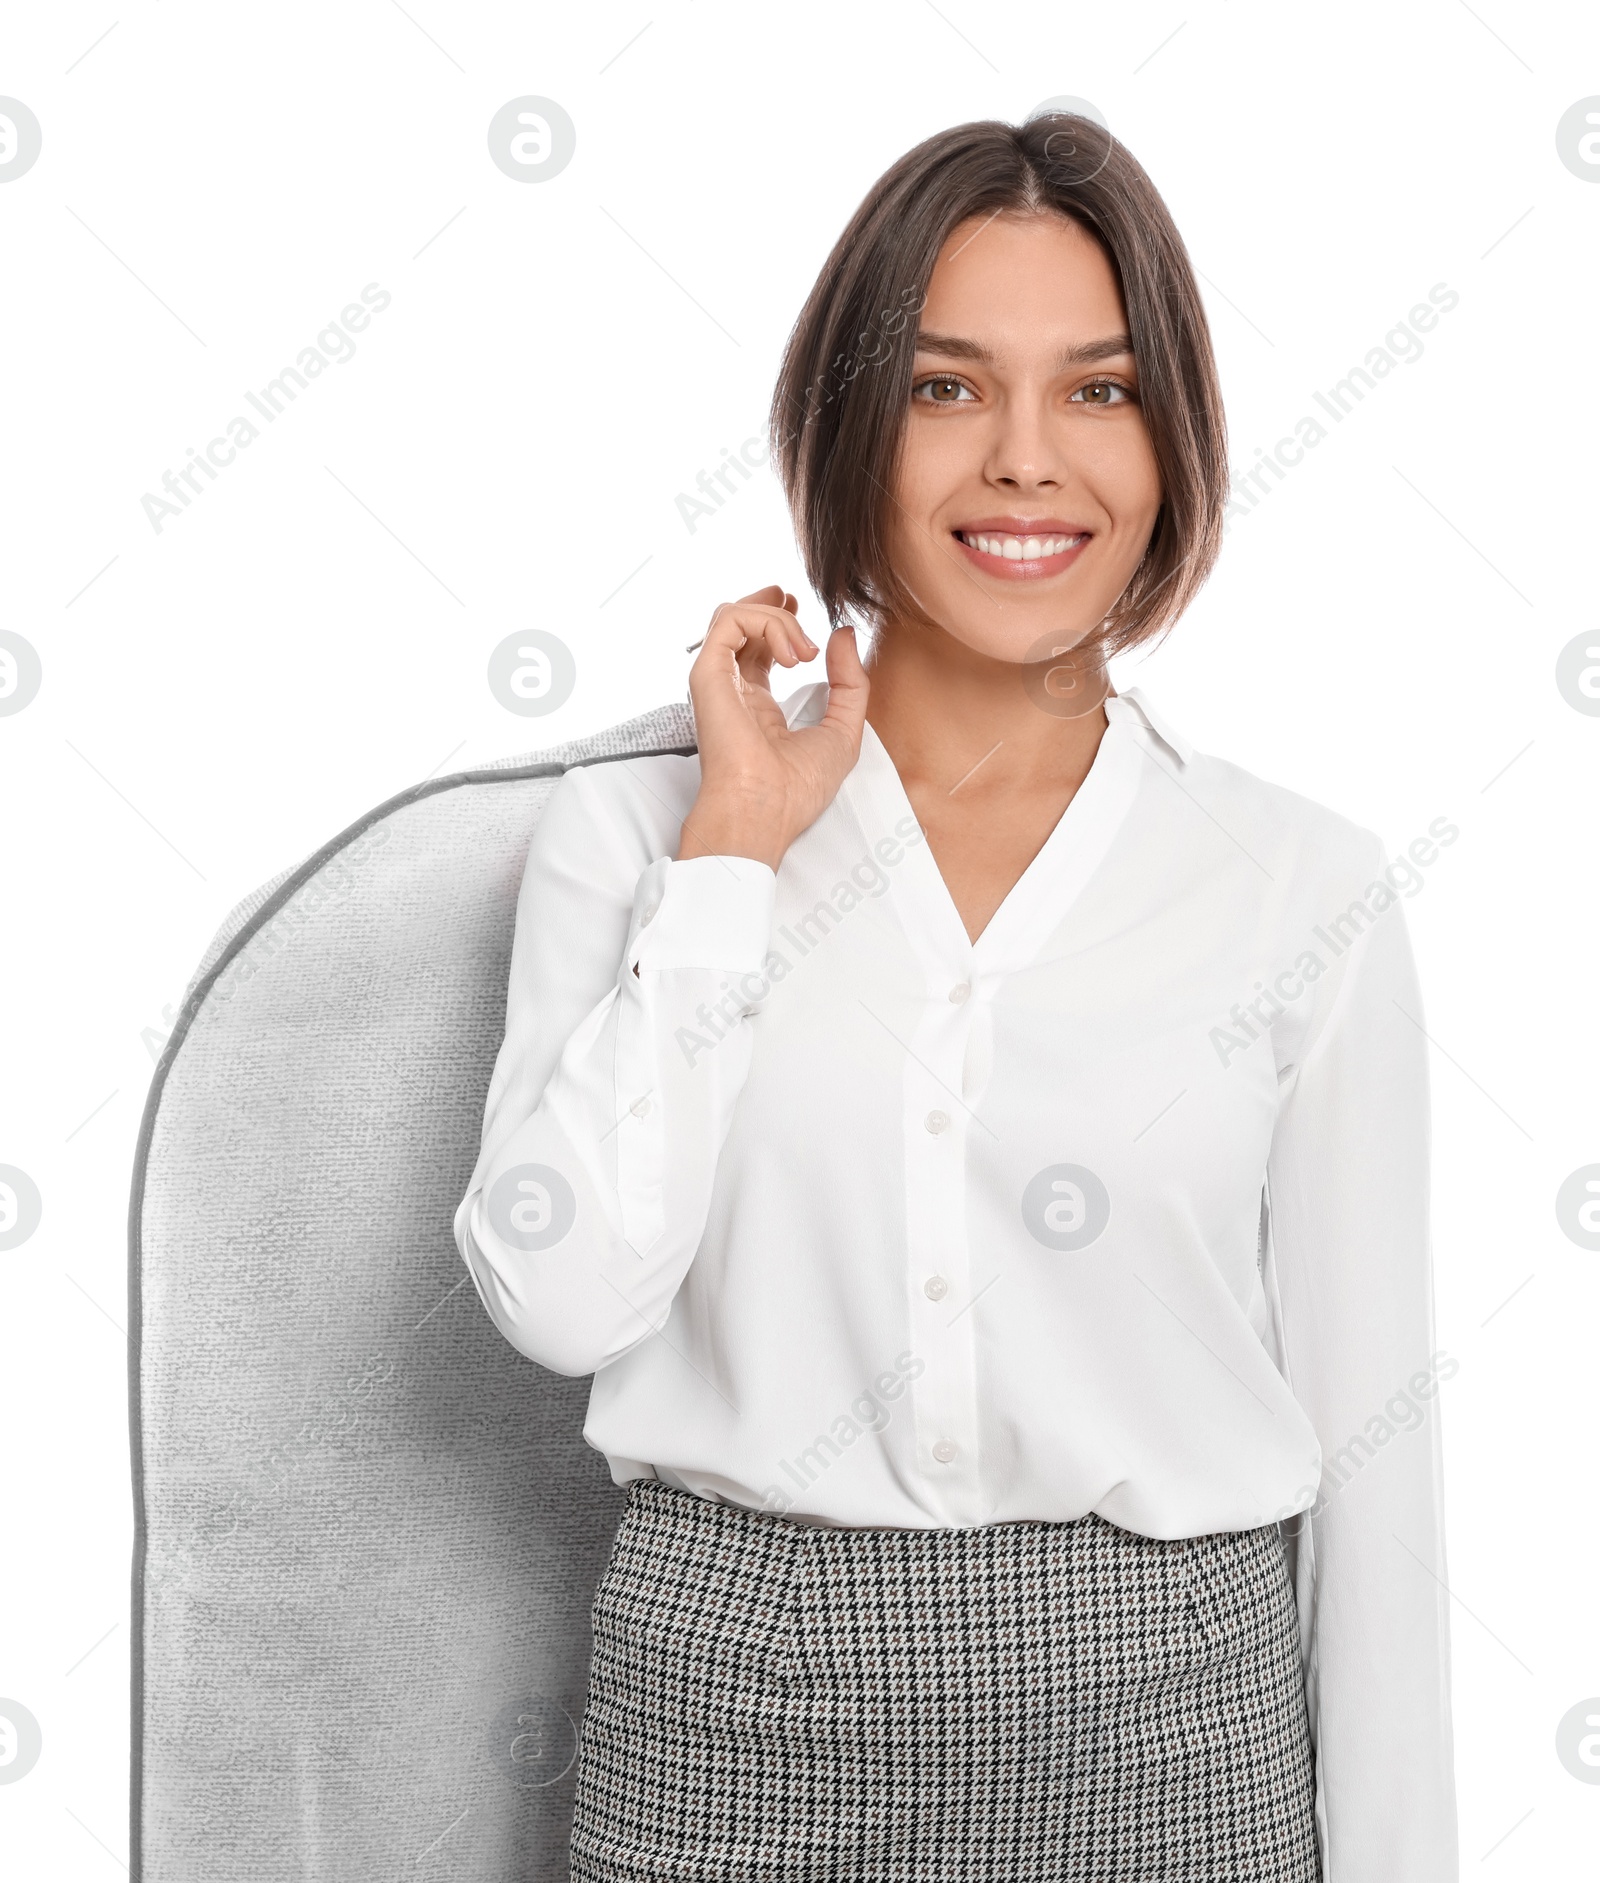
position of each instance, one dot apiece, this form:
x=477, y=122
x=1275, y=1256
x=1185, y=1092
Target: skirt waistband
x=688, y=1507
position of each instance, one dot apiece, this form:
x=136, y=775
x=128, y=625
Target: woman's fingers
x=848, y=690
x=756, y=633
x=761, y=782
x=757, y=629
x=730, y=621
x=775, y=594
x=729, y=679
x=777, y=637
x=833, y=745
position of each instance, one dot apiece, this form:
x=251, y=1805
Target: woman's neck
x=942, y=709
x=988, y=766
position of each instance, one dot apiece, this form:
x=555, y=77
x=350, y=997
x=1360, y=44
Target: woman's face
x=1027, y=487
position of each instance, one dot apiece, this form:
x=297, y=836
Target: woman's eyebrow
x=954, y=348
x=1109, y=347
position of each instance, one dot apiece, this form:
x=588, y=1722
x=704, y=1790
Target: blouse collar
x=1131, y=708
x=1052, y=883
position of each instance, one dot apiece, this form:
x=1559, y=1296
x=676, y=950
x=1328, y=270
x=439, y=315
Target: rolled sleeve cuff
x=712, y=912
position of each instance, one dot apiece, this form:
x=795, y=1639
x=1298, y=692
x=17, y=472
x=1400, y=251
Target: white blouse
x=1121, y=1208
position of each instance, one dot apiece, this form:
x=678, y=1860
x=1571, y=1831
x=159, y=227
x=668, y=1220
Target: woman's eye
x=941, y=389
x=1100, y=393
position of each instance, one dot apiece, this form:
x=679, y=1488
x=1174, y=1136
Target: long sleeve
x=631, y=983
x=1348, y=1179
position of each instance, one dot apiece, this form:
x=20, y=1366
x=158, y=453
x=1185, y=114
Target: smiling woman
x=1052, y=283
x=964, y=1119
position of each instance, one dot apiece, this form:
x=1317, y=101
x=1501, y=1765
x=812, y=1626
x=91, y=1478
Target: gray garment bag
x=367, y=1530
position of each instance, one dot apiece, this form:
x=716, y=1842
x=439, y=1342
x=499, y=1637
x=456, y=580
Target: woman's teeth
x=1021, y=548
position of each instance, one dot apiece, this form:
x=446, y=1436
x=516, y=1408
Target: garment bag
x=367, y=1530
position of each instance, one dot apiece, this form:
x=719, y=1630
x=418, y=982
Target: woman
x=979, y=1145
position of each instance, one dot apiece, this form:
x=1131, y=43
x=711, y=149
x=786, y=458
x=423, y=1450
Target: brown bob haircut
x=839, y=408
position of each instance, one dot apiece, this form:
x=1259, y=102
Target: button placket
x=936, y=1126
x=943, y=1397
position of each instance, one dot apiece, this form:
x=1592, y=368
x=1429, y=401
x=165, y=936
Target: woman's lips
x=1016, y=558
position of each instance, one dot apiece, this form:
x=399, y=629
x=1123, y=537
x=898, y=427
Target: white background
x=558, y=363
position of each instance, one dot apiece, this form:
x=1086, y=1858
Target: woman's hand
x=760, y=783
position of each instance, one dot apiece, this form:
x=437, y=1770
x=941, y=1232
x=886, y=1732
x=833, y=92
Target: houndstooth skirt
x=1016, y=1703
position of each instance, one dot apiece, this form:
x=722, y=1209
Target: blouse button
x=959, y=993
x=936, y=1288
x=648, y=914
x=944, y=1450
x=639, y=1107
x=936, y=1121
